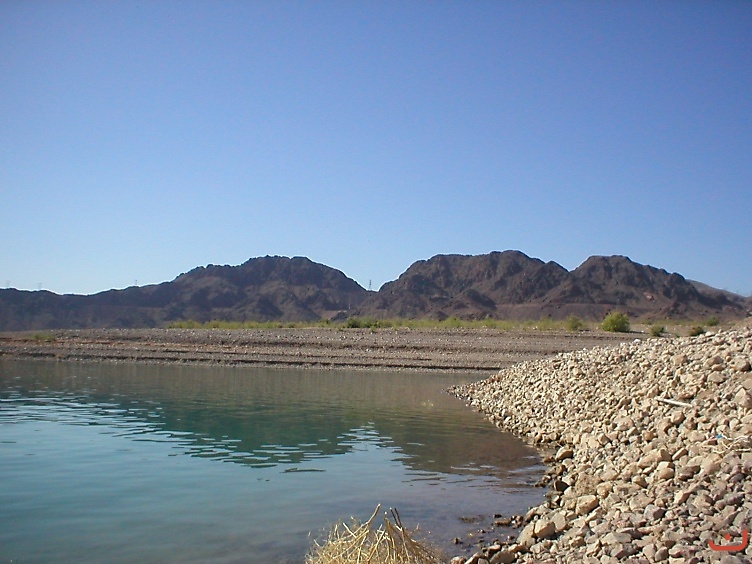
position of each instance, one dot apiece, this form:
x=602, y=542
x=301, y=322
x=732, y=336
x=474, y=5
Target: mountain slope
x=616, y=282
x=514, y=286
x=502, y=285
x=261, y=289
x=466, y=286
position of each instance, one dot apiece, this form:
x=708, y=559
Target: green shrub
x=712, y=321
x=696, y=330
x=363, y=323
x=353, y=323
x=44, y=337
x=657, y=330
x=453, y=322
x=616, y=322
x=574, y=323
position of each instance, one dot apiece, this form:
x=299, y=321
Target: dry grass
x=390, y=543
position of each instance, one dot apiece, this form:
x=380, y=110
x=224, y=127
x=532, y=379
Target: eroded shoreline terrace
x=465, y=350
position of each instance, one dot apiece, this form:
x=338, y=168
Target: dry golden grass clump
x=390, y=543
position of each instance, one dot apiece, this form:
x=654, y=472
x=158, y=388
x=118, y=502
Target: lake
x=149, y=463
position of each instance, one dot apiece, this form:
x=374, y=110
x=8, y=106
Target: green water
x=126, y=463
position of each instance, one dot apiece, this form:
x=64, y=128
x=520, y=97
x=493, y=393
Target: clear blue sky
x=139, y=139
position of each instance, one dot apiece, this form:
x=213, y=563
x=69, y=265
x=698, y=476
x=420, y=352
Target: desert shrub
x=616, y=322
x=184, y=324
x=696, y=330
x=363, y=323
x=546, y=324
x=45, y=337
x=453, y=322
x=712, y=321
x=574, y=323
x=390, y=543
x=657, y=330
x=354, y=323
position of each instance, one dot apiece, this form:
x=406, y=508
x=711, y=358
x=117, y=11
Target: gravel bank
x=653, y=450
x=465, y=350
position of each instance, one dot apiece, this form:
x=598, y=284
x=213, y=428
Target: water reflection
x=264, y=418
x=126, y=463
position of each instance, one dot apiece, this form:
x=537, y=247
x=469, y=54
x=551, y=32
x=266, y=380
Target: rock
x=717, y=378
x=640, y=480
x=679, y=359
x=741, y=364
x=503, y=557
x=585, y=504
x=559, y=485
x=743, y=399
x=616, y=538
x=492, y=549
x=714, y=361
x=687, y=472
x=664, y=425
x=563, y=453
x=711, y=464
x=653, y=513
x=621, y=551
x=526, y=537
x=677, y=417
x=733, y=559
x=654, y=457
x=544, y=528
x=664, y=471
x=560, y=521
x=649, y=551
x=681, y=497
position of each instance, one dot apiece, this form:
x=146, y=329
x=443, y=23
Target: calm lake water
x=126, y=463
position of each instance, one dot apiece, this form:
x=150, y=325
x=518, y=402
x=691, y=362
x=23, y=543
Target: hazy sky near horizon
x=141, y=139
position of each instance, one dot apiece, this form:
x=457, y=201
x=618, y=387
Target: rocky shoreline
x=652, y=450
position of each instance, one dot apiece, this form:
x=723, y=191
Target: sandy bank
x=654, y=459
x=465, y=350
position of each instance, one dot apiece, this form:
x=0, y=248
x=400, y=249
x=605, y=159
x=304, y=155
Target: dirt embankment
x=466, y=350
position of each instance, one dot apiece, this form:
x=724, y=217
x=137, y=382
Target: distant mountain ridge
x=506, y=285
x=261, y=289
x=511, y=285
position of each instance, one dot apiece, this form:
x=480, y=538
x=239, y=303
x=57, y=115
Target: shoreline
x=478, y=351
x=652, y=444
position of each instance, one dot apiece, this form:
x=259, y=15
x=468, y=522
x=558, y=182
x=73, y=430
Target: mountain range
x=502, y=285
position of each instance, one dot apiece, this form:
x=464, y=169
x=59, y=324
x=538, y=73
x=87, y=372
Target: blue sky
x=141, y=139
